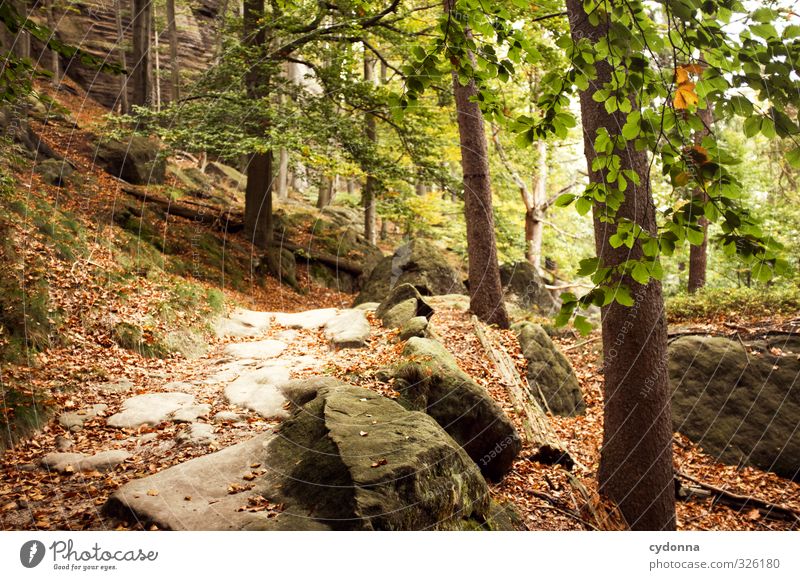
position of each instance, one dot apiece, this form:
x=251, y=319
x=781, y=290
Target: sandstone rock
x=348, y=459
x=309, y=319
x=74, y=420
x=430, y=380
x=523, y=285
x=419, y=263
x=69, y=462
x=550, y=375
x=54, y=171
x=740, y=408
x=348, y=329
x=197, y=434
x=262, y=349
x=258, y=390
x=243, y=322
x=403, y=303
x=417, y=326
x=151, y=409
x=137, y=160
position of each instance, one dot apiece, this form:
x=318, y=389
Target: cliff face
x=91, y=25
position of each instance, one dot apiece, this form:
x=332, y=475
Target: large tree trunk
x=370, y=131
x=698, y=255
x=123, y=78
x=174, y=63
x=485, y=290
x=636, y=459
x=142, y=19
x=258, y=195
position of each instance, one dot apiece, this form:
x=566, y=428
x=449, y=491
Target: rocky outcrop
x=419, y=263
x=402, y=304
x=137, y=159
x=550, y=375
x=524, y=287
x=429, y=379
x=740, y=407
x=347, y=459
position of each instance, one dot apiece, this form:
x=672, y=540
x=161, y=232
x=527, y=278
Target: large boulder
x=419, y=263
x=430, y=380
x=138, y=160
x=347, y=459
x=740, y=407
x=403, y=303
x=525, y=287
x=550, y=375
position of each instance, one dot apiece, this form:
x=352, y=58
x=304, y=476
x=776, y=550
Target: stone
x=69, y=462
x=429, y=379
x=191, y=413
x=262, y=349
x=551, y=378
x=74, y=421
x=740, y=407
x=227, y=176
x=54, y=172
x=449, y=302
x=258, y=390
x=523, y=285
x=150, y=409
x=348, y=329
x=227, y=417
x=368, y=306
x=243, y=323
x=416, y=326
x=403, y=303
x=308, y=320
x=348, y=459
x=197, y=434
x=137, y=160
x=120, y=386
x=192, y=179
x=419, y=263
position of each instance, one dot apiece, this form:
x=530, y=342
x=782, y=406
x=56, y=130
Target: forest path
x=198, y=407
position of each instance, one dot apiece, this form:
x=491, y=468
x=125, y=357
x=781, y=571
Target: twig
x=577, y=345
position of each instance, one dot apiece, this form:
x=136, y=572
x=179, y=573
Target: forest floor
x=76, y=372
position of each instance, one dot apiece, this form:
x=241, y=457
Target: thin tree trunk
x=157, y=73
x=258, y=194
x=174, y=63
x=370, y=131
x=140, y=76
x=636, y=468
x=283, y=174
x=123, y=78
x=54, y=62
x=534, y=231
x=486, y=292
x=698, y=255
x=325, y=196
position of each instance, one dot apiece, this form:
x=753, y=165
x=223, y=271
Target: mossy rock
x=740, y=407
x=54, y=172
x=551, y=377
x=525, y=287
x=429, y=379
x=138, y=160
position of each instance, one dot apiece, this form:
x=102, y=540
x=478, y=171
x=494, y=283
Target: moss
x=747, y=302
x=132, y=337
x=21, y=414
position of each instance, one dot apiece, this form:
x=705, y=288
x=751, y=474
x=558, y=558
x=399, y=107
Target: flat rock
x=262, y=349
x=198, y=434
x=309, y=319
x=242, y=322
x=258, y=390
x=227, y=417
x=191, y=413
x=348, y=329
x=120, y=386
x=417, y=326
x=74, y=421
x=150, y=409
x=67, y=462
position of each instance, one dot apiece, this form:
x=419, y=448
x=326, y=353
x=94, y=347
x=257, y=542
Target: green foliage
x=747, y=303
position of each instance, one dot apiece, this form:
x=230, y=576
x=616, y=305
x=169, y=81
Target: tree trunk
x=636, y=458
x=123, y=78
x=486, y=292
x=370, y=131
x=258, y=194
x=325, y=196
x=142, y=19
x=283, y=173
x=22, y=42
x=534, y=226
x=54, y=61
x=698, y=255
x=156, y=76
x=174, y=63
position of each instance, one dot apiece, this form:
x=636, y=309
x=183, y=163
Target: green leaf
x=641, y=273
x=588, y=266
x=583, y=205
x=583, y=325
x=793, y=157
x=752, y=125
x=565, y=199
x=623, y=296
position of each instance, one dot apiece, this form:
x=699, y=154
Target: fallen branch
x=536, y=426
x=734, y=500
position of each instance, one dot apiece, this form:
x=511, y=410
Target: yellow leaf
x=681, y=75
x=685, y=96
x=682, y=179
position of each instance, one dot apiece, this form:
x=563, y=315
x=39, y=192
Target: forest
x=399, y=265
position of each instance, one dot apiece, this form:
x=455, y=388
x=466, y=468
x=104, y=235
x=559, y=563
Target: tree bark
x=283, y=173
x=55, y=67
x=370, y=131
x=142, y=18
x=534, y=226
x=325, y=195
x=698, y=255
x=486, y=293
x=636, y=468
x=258, y=194
x=174, y=62
x=123, y=78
